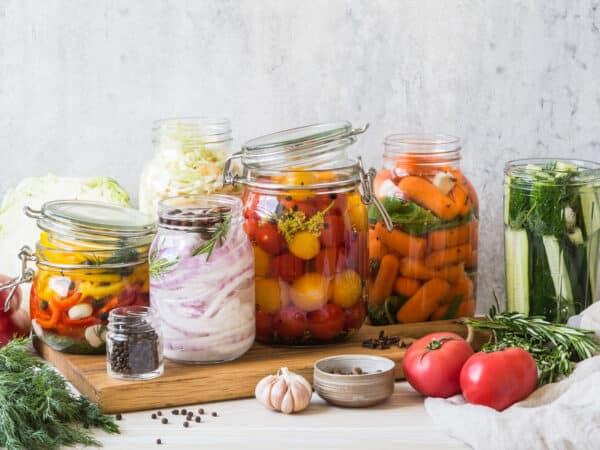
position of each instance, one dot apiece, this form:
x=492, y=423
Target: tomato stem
x=436, y=344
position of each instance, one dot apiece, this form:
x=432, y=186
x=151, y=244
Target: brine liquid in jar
x=426, y=268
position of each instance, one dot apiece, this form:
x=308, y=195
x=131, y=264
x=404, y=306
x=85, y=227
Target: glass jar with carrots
x=305, y=213
x=91, y=258
x=426, y=268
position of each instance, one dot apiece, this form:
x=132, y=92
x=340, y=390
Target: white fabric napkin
x=562, y=416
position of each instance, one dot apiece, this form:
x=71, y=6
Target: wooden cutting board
x=192, y=384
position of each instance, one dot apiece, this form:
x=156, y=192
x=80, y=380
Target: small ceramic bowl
x=374, y=385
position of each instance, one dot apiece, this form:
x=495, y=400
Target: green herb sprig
x=554, y=346
x=217, y=236
x=37, y=409
x=157, y=267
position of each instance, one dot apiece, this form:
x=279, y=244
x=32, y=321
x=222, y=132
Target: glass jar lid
x=92, y=218
x=319, y=145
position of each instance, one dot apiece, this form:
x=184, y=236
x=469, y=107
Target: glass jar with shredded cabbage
x=188, y=160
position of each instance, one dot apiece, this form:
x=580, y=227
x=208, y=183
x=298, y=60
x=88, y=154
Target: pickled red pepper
x=434, y=209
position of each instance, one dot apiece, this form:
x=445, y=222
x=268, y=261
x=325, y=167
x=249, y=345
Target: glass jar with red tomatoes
x=91, y=257
x=305, y=213
x=426, y=267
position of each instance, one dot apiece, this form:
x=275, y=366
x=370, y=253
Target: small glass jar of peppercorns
x=134, y=344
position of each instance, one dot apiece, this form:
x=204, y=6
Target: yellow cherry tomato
x=347, y=288
x=304, y=245
x=357, y=213
x=262, y=262
x=309, y=292
x=268, y=294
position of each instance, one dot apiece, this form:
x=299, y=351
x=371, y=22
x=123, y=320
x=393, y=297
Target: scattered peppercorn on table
x=401, y=422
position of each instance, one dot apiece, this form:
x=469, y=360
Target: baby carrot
x=472, y=193
x=474, y=238
x=466, y=308
x=384, y=282
x=427, y=195
x=463, y=287
x=462, y=200
x=447, y=256
x=401, y=242
x=449, y=237
x=424, y=302
x=449, y=273
x=472, y=261
x=440, y=312
x=406, y=286
x=377, y=249
x=415, y=268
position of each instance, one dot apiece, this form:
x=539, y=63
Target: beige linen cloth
x=562, y=416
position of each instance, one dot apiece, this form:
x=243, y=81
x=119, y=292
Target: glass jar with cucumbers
x=552, y=236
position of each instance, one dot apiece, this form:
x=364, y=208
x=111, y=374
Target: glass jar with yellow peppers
x=91, y=258
x=305, y=214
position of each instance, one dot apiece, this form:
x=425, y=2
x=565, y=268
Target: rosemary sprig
x=37, y=409
x=157, y=267
x=554, y=346
x=217, y=236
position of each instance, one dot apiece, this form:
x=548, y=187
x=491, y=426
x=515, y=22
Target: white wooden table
x=400, y=423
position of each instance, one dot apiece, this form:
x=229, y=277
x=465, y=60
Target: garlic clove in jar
x=287, y=391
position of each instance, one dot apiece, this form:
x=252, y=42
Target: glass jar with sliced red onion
x=202, y=279
x=305, y=213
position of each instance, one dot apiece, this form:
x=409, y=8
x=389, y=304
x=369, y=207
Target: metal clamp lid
x=26, y=275
x=369, y=197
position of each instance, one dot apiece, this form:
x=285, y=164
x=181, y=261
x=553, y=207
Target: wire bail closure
x=368, y=196
x=26, y=275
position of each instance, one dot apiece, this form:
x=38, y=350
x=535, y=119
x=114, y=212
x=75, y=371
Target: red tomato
x=326, y=261
x=13, y=322
x=264, y=330
x=332, y=233
x=432, y=364
x=327, y=322
x=355, y=316
x=308, y=207
x=250, y=225
x=268, y=238
x=340, y=202
x=498, y=379
x=290, y=322
x=287, y=267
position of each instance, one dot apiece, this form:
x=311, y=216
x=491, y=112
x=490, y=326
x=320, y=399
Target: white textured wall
x=81, y=81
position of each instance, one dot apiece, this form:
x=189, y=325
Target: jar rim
x=587, y=170
x=422, y=143
x=174, y=208
x=193, y=130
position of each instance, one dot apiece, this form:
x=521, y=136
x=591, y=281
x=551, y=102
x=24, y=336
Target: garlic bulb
x=287, y=391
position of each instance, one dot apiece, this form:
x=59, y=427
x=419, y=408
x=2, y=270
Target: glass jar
x=133, y=344
x=202, y=279
x=91, y=258
x=552, y=236
x=426, y=268
x=188, y=160
x=304, y=213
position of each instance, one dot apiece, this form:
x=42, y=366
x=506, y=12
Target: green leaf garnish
x=218, y=236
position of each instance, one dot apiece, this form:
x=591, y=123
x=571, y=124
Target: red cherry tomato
x=326, y=261
x=327, y=322
x=355, y=256
x=250, y=225
x=287, y=267
x=332, y=233
x=264, y=326
x=432, y=364
x=290, y=322
x=268, y=238
x=308, y=207
x=340, y=202
x=498, y=379
x=355, y=316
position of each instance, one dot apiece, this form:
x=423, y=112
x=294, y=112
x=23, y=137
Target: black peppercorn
x=158, y=441
x=153, y=416
x=159, y=413
x=175, y=412
x=97, y=303
x=214, y=414
x=186, y=424
x=165, y=420
x=198, y=419
x=184, y=411
x=44, y=304
x=118, y=416
x=201, y=411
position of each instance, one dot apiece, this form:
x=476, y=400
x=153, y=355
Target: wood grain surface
x=189, y=384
